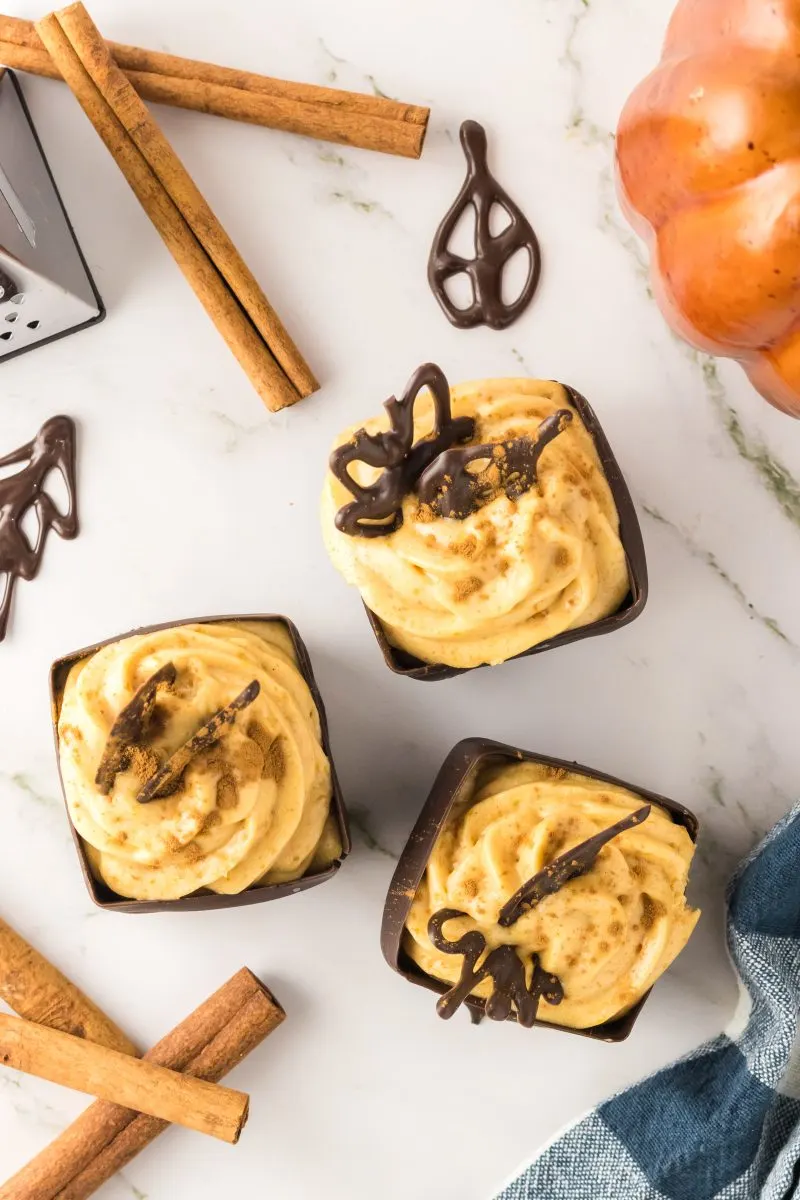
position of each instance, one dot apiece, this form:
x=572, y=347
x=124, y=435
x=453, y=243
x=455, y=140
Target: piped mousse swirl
x=513, y=572
x=606, y=935
x=252, y=806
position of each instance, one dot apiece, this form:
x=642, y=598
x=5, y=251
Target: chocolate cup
x=461, y=767
x=202, y=901
x=630, y=534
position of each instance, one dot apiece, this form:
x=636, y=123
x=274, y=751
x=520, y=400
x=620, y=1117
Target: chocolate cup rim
x=110, y=901
x=461, y=766
x=402, y=663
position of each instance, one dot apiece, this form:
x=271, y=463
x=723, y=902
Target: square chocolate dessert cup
x=460, y=770
x=406, y=664
x=204, y=900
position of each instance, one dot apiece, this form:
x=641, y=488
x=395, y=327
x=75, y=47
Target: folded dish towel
x=723, y=1123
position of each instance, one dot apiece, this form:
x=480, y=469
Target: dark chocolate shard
x=167, y=779
x=132, y=727
x=376, y=510
x=482, y=192
x=577, y=861
x=450, y=489
x=502, y=965
x=53, y=449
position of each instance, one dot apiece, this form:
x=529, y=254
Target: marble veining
x=195, y=501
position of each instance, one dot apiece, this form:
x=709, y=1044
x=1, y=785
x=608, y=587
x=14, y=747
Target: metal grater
x=46, y=290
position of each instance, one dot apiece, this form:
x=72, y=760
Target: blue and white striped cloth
x=723, y=1123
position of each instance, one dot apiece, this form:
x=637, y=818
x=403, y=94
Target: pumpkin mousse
x=492, y=551
x=191, y=759
x=579, y=882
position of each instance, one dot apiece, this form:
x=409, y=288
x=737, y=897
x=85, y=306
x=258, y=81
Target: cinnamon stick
x=135, y=117
x=109, y=1075
x=348, y=118
x=227, y=305
x=207, y=1045
x=37, y=990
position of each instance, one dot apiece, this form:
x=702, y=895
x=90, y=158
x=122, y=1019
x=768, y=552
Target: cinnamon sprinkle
x=211, y=821
x=142, y=761
x=424, y=514
x=467, y=547
x=465, y=588
x=227, y=793
x=275, y=762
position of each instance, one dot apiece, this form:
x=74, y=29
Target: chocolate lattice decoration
x=482, y=192
x=376, y=509
x=53, y=449
x=452, y=490
x=502, y=965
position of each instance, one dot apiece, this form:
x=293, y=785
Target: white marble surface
x=196, y=500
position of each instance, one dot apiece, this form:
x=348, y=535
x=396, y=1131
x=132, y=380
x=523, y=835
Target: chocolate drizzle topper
x=502, y=965
x=577, y=861
x=402, y=459
x=452, y=490
x=167, y=779
x=53, y=449
x=132, y=727
x=485, y=271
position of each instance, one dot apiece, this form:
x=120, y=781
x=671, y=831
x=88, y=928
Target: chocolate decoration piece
x=502, y=965
x=577, y=861
x=168, y=777
x=402, y=459
x=450, y=489
x=401, y=663
x=485, y=271
x=458, y=777
x=132, y=727
x=53, y=449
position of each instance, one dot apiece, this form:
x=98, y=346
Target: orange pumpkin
x=708, y=161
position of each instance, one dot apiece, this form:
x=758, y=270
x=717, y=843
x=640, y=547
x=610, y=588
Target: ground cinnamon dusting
x=227, y=793
x=143, y=762
x=275, y=762
x=249, y=760
x=489, y=536
x=562, y=557
x=258, y=734
x=466, y=548
x=465, y=588
x=650, y=911
x=424, y=514
x=274, y=765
